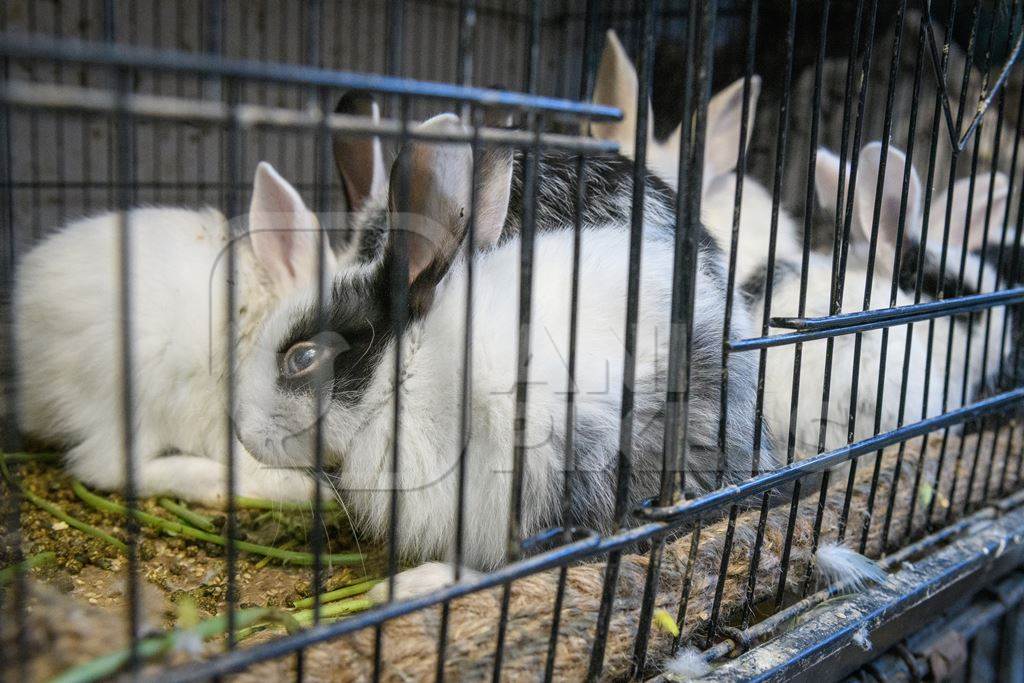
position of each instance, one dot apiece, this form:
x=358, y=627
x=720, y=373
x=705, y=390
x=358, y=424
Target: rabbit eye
x=302, y=358
x=310, y=356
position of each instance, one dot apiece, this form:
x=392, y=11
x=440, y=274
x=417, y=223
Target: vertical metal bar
x=323, y=207
x=86, y=147
x=231, y=177
x=526, y=253
x=645, y=70
x=13, y=599
x=723, y=571
x=755, y=562
x=110, y=37
x=805, y=262
x=841, y=242
x=869, y=278
x=741, y=171
x=925, y=220
x=399, y=291
x=319, y=97
x=978, y=132
x=897, y=267
x=968, y=64
x=33, y=142
x=780, y=160
x=838, y=238
x=684, y=598
x=59, y=121
x=674, y=451
x=983, y=374
x=1011, y=278
x=464, y=68
x=755, y=558
x=569, y=463
x=180, y=140
x=126, y=198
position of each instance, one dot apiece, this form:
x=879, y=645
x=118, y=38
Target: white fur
x=841, y=566
x=69, y=355
x=688, y=664
x=755, y=225
x=424, y=579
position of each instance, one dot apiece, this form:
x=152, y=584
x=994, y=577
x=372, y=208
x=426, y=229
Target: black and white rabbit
x=350, y=362
x=68, y=340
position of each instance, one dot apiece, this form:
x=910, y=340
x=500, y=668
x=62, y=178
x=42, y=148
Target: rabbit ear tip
x=265, y=168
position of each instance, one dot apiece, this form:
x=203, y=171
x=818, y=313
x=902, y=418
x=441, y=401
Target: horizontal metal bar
x=771, y=625
x=904, y=318
x=843, y=320
x=39, y=47
x=982, y=614
x=823, y=646
x=691, y=509
x=49, y=97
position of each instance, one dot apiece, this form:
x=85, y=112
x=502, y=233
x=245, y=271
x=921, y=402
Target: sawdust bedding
x=76, y=607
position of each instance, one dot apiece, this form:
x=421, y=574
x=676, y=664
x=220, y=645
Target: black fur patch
x=753, y=288
x=607, y=198
x=357, y=311
x=935, y=283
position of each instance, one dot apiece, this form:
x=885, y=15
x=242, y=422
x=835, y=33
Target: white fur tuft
x=428, y=577
x=863, y=639
x=839, y=565
x=686, y=665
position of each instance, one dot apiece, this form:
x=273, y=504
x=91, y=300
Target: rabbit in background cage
x=350, y=364
x=928, y=391
x=617, y=85
x=69, y=353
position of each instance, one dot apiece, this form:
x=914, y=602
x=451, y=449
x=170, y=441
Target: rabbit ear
x=434, y=208
x=979, y=208
x=892, y=195
x=725, y=116
x=617, y=85
x=826, y=178
x=360, y=160
x=284, y=234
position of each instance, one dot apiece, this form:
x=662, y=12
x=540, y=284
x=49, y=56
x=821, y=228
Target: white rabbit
x=785, y=303
x=351, y=364
x=69, y=355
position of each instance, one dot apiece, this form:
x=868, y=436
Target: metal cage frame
x=648, y=526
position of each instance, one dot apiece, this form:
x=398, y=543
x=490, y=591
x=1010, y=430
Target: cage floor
x=77, y=603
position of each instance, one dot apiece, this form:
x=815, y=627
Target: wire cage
x=568, y=340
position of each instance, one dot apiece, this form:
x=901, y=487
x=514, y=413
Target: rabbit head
x=900, y=220
x=336, y=359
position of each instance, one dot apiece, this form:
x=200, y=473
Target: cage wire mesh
x=684, y=321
